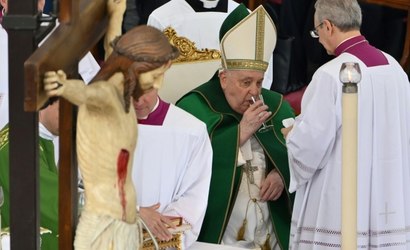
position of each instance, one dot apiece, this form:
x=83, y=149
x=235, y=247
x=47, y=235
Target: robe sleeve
x=313, y=136
x=193, y=193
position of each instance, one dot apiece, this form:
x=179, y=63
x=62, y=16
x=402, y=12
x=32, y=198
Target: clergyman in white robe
x=172, y=165
x=315, y=149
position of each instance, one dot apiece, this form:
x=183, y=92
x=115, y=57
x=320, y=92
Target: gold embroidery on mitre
x=260, y=34
x=246, y=64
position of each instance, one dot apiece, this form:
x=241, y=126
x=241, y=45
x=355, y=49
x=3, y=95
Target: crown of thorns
x=152, y=59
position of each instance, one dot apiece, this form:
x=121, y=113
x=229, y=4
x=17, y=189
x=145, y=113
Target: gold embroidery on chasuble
x=4, y=137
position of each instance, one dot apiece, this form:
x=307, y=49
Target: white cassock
x=314, y=149
x=247, y=204
x=172, y=165
x=199, y=27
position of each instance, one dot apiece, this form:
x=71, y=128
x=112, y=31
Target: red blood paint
x=122, y=164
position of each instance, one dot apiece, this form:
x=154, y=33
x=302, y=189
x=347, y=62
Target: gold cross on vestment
x=249, y=169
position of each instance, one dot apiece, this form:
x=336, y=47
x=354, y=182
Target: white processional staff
x=350, y=76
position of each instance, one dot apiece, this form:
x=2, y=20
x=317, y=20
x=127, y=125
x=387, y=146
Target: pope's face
x=239, y=86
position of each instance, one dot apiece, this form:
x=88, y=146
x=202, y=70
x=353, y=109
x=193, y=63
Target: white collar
x=210, y=3
x=45, y=133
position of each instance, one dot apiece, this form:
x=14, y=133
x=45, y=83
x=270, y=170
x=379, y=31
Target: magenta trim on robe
x=360, y=47
x=157, y=117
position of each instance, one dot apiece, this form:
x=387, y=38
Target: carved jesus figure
x=107, y=133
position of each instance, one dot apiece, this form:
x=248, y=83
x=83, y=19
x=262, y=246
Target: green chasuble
x=208, y=103
x=48, y=188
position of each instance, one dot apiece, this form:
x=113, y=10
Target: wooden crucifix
x=82, y=24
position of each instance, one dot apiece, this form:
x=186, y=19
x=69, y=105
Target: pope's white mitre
x=250, y=43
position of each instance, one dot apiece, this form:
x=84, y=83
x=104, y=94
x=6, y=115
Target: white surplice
x=199, y=27
x=314, y=148
x=172, y=165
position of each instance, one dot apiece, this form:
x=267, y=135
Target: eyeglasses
x=314, y=33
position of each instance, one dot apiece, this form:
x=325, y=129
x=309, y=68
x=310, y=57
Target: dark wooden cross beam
x=82, y=24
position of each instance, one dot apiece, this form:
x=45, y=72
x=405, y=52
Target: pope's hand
x=272, y=187
x=252, y=120
x=54, y=82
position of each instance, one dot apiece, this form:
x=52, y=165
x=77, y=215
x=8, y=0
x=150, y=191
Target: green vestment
x=208, y=103
x=48, y=188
